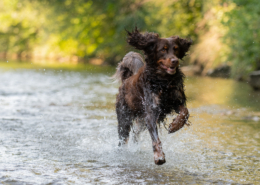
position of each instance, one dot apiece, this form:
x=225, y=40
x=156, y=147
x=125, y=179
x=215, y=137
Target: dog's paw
x=176, y=125
x=159, y=158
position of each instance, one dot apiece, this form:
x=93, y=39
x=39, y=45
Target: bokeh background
x=58, y=123
x=225, y=32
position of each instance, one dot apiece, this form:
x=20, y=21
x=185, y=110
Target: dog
x=151, y=89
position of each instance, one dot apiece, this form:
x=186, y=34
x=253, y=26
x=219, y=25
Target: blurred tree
x=177, y=17
x=96, y=29
x=19, y=26
x=210, y=49
x=88, y=28
x=243, y=36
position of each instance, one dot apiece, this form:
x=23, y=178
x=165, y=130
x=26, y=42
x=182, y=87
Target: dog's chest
x=168, y=97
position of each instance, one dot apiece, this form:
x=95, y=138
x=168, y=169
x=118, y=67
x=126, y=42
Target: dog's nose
x=174, y=61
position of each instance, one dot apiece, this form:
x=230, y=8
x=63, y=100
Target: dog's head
x=163, y=53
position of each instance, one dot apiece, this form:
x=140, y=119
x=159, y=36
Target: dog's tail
x=129, y=66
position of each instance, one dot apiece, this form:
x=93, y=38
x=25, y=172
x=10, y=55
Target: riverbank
x=96, y=65
x=14, y=64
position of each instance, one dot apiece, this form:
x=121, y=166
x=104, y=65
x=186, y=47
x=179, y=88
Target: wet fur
x=147, y=92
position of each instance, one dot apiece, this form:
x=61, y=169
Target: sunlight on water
x=60, y=127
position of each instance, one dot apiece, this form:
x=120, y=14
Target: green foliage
x=88, y=28
x=224, y=31
x=94, y=28
x=178, y=17
x=243, y=36
x=210, y=50
x=17, y=34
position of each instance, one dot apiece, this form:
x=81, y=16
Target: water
x=59, y=127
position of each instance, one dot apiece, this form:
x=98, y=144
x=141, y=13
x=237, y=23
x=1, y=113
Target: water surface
x=60, y=127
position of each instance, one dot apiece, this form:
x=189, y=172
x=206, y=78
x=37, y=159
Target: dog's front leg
x=180, y=120
x=152, y=112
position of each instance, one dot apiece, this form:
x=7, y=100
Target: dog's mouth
x=170, y=70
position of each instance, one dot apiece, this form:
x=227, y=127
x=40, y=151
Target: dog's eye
x=164, y=50
x=175, y=48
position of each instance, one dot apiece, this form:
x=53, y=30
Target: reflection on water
x=232, y=94
x=59, y=127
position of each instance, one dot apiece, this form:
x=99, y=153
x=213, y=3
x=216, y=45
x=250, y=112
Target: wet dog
x=151, y=89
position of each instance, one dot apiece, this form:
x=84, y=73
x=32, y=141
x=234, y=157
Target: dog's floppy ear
x=146, y=42
x=184, y=46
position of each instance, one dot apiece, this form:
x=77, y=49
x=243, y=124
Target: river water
x=60, y=127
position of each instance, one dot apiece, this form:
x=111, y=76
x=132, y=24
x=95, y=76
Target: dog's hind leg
x=125, y=122
x=138, y=128
x=124, y=127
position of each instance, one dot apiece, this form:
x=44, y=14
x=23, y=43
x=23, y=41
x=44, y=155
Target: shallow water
x=59, y=127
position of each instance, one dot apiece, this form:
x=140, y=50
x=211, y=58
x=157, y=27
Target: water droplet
x=7, y=61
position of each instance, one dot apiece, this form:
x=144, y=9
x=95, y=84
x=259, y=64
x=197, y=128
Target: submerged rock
x=253, y=118
x=221, y=71
x=254, y=80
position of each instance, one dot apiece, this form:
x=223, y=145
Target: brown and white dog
x=152, y=89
